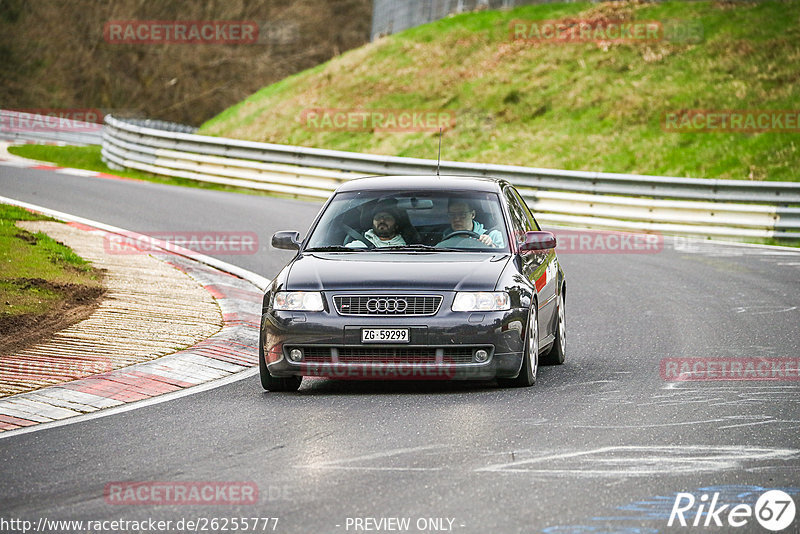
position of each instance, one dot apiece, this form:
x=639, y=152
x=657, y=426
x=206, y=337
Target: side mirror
x=286, y=240
x=538, y=241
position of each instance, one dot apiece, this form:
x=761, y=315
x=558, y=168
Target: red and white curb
x=226, y=356
x=11, y=140
x=10, y=160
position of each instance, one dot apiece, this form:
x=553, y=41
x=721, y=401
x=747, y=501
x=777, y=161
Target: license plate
x=384, y=335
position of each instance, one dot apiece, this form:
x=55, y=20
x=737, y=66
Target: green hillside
x=587, y=106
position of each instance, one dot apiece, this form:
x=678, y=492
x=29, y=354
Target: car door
x=538, y=266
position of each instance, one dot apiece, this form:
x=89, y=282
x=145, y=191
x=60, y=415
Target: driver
x=385, y=231
x=462, y=219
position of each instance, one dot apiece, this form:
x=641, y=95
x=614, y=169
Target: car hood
x=442, y=271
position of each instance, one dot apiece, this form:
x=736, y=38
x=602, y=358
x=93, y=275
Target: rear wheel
x=530, y=357
x=272, y=383
x=556, y=354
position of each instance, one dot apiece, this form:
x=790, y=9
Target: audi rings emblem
x=387, y=305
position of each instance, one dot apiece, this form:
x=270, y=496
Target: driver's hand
x=486, y=240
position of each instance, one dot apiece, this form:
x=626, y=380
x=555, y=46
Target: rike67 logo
x=774, y=510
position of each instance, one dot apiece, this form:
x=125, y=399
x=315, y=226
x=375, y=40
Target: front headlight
x=481, y=301
x=298, y=301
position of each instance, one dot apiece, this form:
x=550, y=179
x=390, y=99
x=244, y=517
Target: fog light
x=481, y=355
x=296, y=355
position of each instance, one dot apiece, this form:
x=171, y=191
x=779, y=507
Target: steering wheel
x=467, y=233
x=460, y=238
x=357, y=237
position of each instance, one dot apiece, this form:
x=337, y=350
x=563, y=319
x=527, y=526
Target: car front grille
x=403, y=305
x=394, y=355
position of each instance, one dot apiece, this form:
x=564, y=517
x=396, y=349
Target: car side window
x=519, y=220
x=532, y=225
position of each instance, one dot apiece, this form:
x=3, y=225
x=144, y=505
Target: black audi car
x=416, y=277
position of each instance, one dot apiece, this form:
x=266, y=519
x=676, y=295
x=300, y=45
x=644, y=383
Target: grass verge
x=593, y=106
x=89, y=158
x=37, y=274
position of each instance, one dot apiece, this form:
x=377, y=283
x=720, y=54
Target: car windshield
x=411, y=221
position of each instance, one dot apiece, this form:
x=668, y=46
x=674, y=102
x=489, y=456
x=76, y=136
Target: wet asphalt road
x=600, y=444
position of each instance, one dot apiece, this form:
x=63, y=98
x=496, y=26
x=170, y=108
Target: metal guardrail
x=391, y=16
x=600, y=200
x=162, y=125
x=21, y=126
x=580, y=181
x=687, y=206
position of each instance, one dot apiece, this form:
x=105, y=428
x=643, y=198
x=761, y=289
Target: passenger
x=462, y=218
x=385, y=231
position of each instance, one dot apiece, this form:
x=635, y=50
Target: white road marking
x=652, y=425
x=14, y=163
x=717, y=247
x=644, y=460
x=77, y=172
x=364, y=468
x=337, y=464
x=767, y=422
x=22, y=410
x=255, y=279
x=166, y=397
x=765, y=309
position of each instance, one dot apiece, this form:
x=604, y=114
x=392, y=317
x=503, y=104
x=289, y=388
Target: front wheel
x=530, y=357
x=272, y=383
x=556, y=354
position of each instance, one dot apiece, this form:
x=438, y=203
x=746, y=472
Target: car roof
x=425, y=182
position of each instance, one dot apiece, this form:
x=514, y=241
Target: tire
x=530, y=357
x=555, y=355
x=271, y=383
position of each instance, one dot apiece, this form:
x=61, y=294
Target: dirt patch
x=26, y=236
x=148, y=309
x=19, y=332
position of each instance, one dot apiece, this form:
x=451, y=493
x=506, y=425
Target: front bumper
x=440, y=347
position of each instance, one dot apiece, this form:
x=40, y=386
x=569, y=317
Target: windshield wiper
x=416, y=248
x=333, y=248
x=393, y=248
